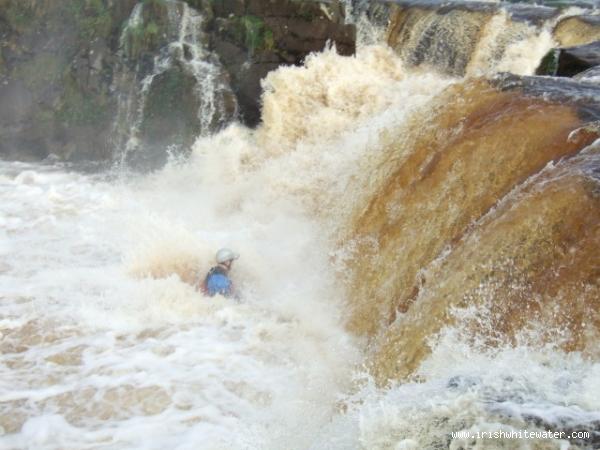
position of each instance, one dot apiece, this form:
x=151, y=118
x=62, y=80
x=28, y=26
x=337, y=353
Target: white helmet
x=225, y=255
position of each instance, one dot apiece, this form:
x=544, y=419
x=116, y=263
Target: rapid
x=106, y=341
x=418, y=257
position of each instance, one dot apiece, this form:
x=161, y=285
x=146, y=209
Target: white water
x=466, y=385
x=97, y=351
x=106, y=344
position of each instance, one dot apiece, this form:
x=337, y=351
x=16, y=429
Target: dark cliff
x=66, y=64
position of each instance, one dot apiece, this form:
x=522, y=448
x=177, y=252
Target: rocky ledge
x=63, y=64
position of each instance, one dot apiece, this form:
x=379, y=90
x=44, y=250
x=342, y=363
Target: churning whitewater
x=105, y=339
x=107, y=343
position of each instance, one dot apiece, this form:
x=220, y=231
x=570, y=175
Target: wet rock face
x=456, y=37
x=56, y=63
x=61, y=62
x=573, y=60
x=577, y=30
x=172, y=87
x=171, y=112
x=589, y=76
x=570, y=61
x=253, y=37
x=532, y=14
x=560, y=90
x=507, y=121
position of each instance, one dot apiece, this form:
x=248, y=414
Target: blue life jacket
x=217, y=282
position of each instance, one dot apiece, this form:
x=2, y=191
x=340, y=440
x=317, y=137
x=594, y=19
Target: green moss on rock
x=171, y=98
x=252, y=32
x=549, y=64
x=80, y=108
x=140, y=38
x=43, y=69
x=201, y=5
x=153, y=3
x=150, y=34
x=96, y=20
x=19, y=14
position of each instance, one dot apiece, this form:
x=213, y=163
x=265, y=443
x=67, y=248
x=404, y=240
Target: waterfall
x=481, y=38
x=419, y=240
x=202, y=65
x=187, y=48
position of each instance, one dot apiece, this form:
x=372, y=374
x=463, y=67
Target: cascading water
x=432, y=228
x=187, y=48
x=481, y=38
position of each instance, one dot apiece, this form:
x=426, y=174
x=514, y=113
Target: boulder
x=573, y=60
x=569, y=61
x=533, y=14
x=589, y=76
x=577, y=30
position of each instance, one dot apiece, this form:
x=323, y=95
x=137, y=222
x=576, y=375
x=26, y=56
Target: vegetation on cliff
x=63, y=57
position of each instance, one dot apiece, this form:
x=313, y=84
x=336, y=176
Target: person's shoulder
x=217, y=270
